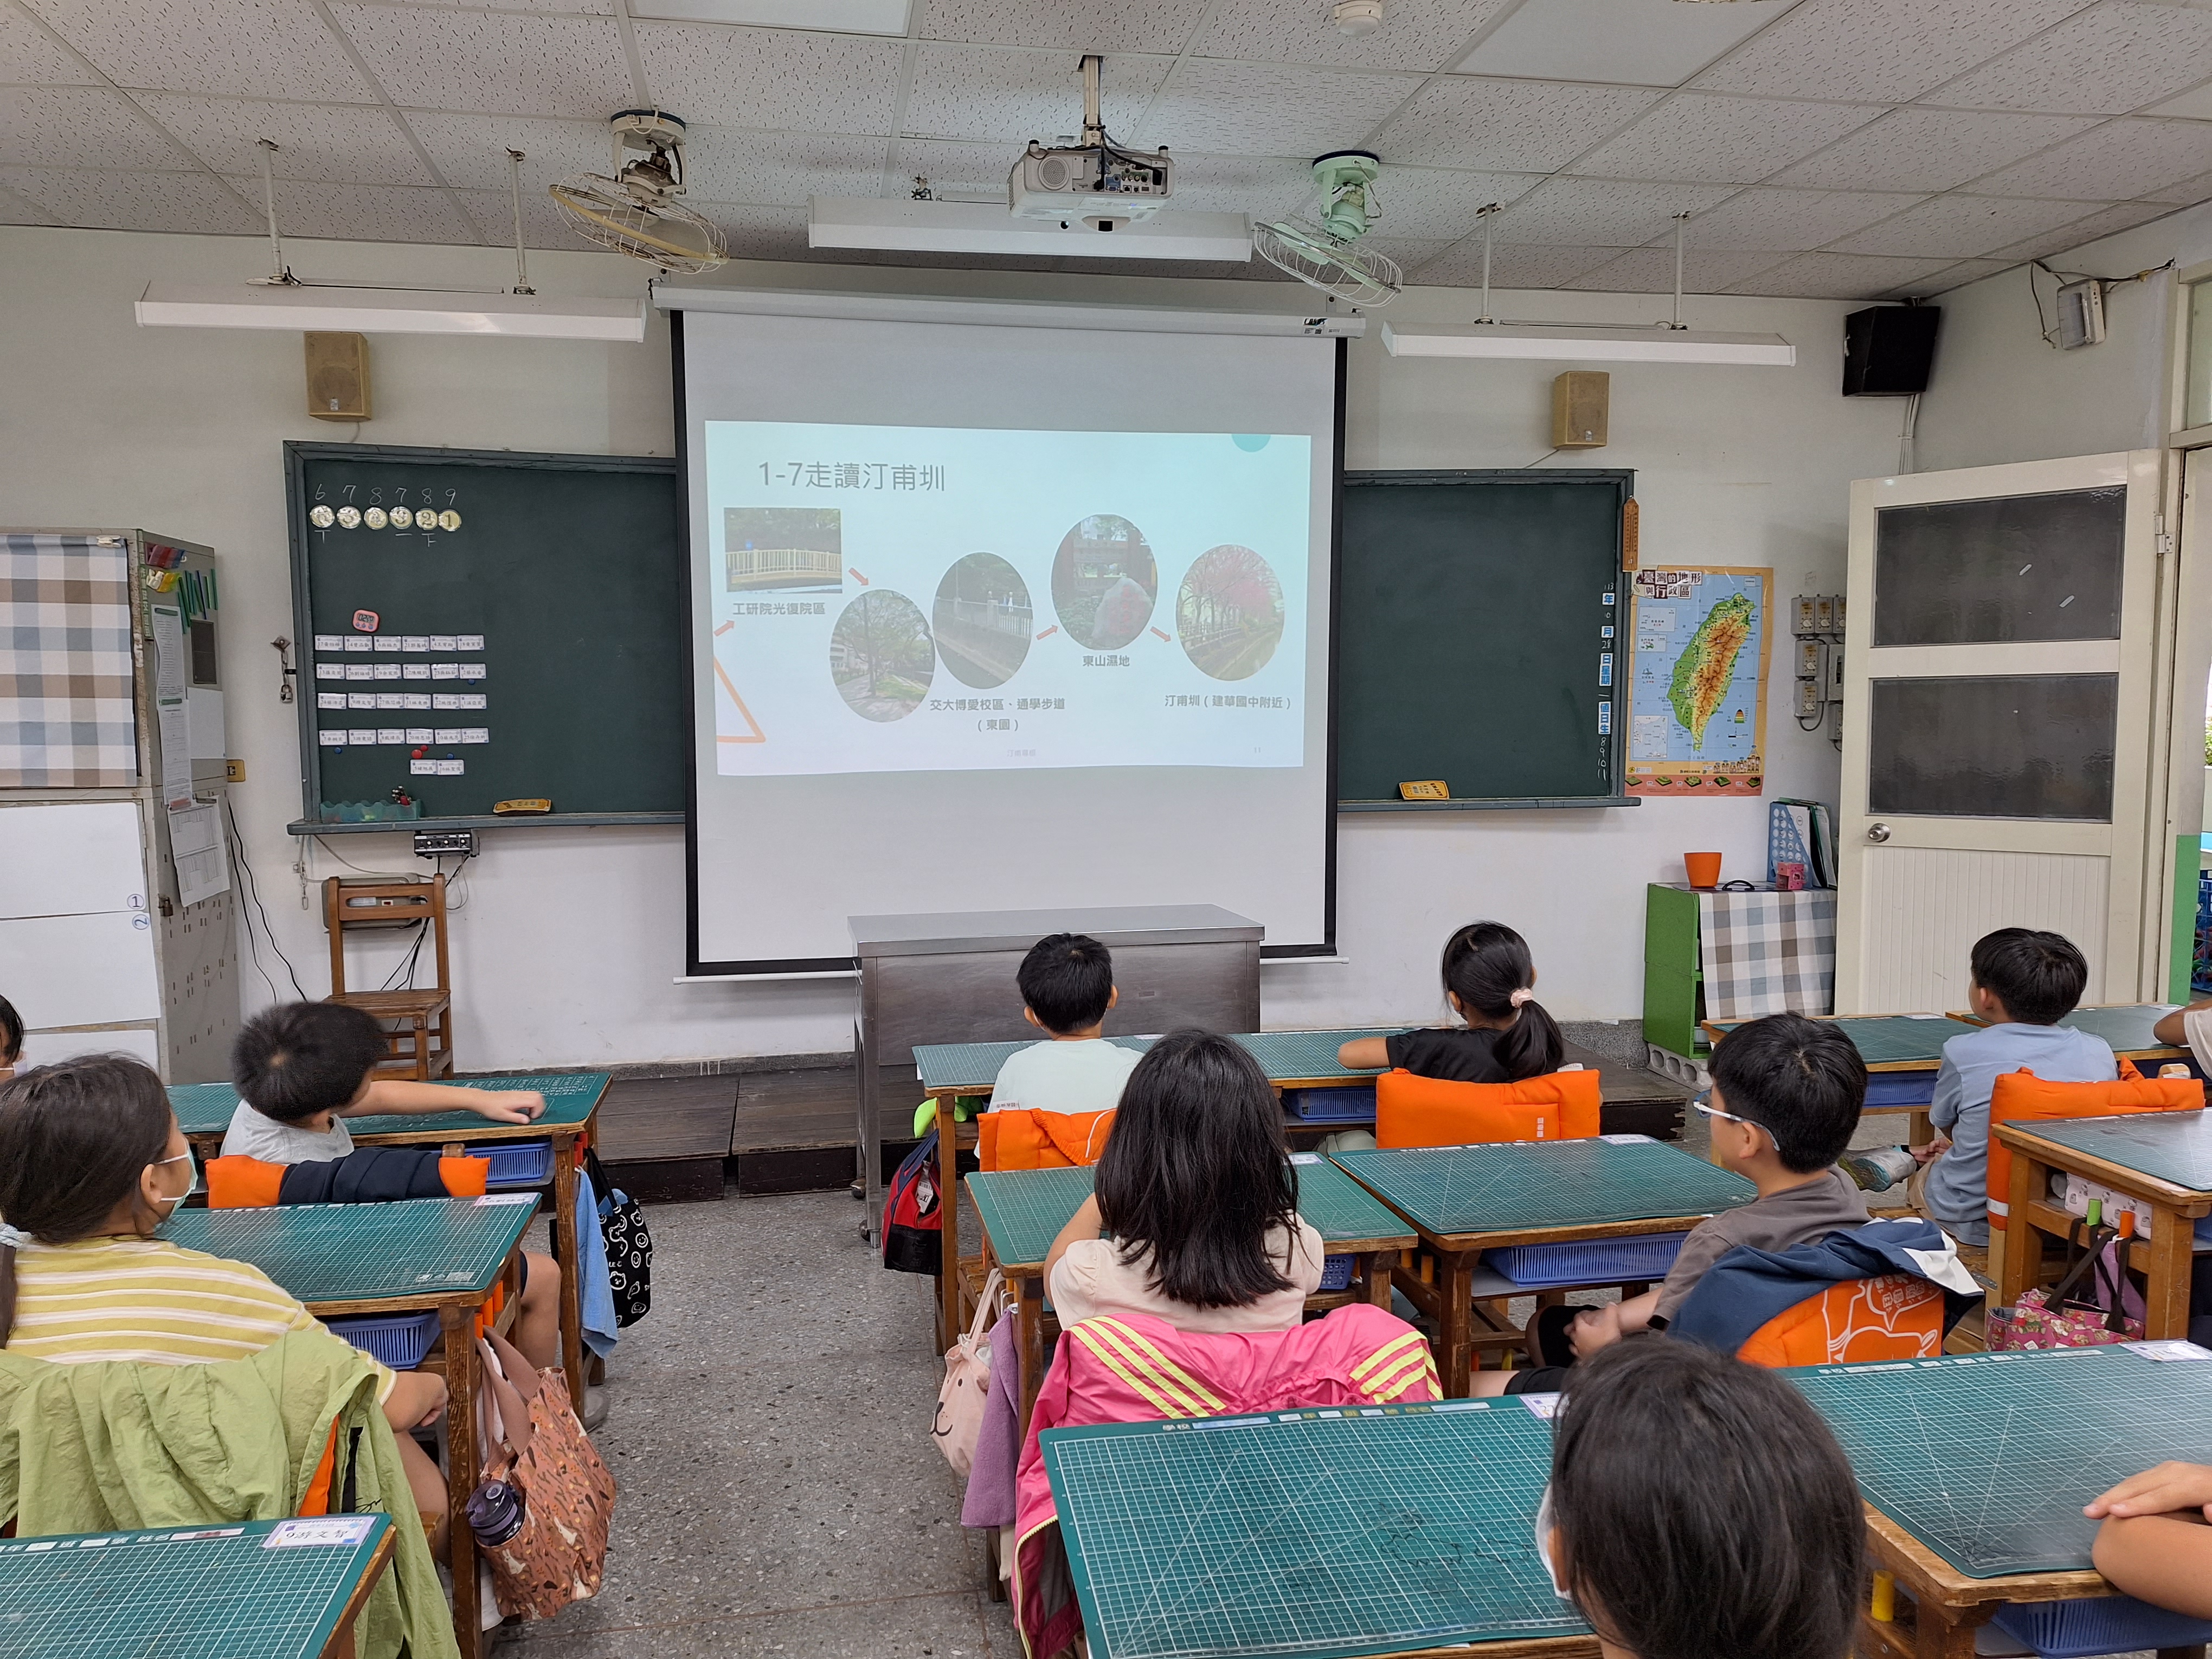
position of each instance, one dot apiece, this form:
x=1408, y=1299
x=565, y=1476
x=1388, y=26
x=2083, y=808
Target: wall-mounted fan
x=636, y=211
x=1326, y=254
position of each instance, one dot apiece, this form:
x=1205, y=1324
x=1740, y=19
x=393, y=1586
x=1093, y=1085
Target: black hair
x=1485, y=964
x=1066, y=980
x=74, y=1137
x=301, y=1058
x=1703, y=1508
x=1800, y=1080
x=1197, y=1172
x=2038, y=976
x=11, y=1033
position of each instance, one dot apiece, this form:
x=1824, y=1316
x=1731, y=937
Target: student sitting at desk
x=2189, y=1028
x=301, y=1068
x=1699, y=1507
x=2024, y=982
x=1490, y=982
x=1195, y=1218
x=91, y=1162
x=1067, y=982
x=2155, y=1544
x=1786, y=1095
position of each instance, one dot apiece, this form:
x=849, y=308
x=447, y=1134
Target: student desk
x=1401, y=1529
x=1465, y=1200
x=1903, y=1053
x=2126, y=1029
x=2165, y=1158
x=445, y=1254
x=249, y=1589
x=1024, y=1210
x=1975, y=1468
x=572, y=1110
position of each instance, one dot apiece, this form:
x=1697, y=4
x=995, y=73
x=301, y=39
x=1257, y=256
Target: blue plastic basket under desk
x=515, y=1163
x=1587, y=1262
x=399, y=1341
x=2112, y=1624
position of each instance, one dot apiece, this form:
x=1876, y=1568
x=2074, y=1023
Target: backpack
x=628, y=1242
x=913, y=1214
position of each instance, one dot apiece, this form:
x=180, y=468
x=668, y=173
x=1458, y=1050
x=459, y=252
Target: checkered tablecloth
x=1767, y=953
x=67, y=718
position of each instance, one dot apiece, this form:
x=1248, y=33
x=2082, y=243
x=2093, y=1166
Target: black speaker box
x=1889, y=349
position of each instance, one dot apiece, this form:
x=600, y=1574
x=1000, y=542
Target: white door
x=1997, y=716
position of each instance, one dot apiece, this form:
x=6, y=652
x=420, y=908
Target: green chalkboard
x=537, y=641
x=1480, y=618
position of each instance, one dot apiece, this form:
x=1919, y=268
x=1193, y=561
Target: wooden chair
x=421, y=1046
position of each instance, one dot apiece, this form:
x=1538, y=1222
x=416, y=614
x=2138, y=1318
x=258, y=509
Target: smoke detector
x=1357, y=17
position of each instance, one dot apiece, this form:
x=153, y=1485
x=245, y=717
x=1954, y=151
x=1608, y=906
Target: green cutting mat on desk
x=366, y=1252
x=1516, y=1186
x=259, y=1589
x=1891, y=1039
x=974, y=1065
x=1987, y=1459
x=2127, y=1029
x=1318, y=1533
x=205, y=1109
x=2170, y=1146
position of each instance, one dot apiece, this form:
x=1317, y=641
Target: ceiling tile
x=1723, y=141
x=781, y=169
x=1645, y=43
x=963, y=172
x=1791, y=220
x=1436, y=202
x=258, y=48
x=1837, y=276
x=1918, y=148
x=1514, y=126
x=1515, y=265
x=371, y=213
x=499, y=63
x=2194, y=105
x=2113, y=58
x=17, y=210
x=1877, y=52
x=470, y=151
x=2186, y=192
x=1601, y=212
x=81, y=126
x=194, y=203
x=349, y=143
x=543, y=226
x=1651, y=270
x=1130, y=26
x=1416, y=34
x=773, y=78
x=1956, y=227
x=972, y=91
x=1266, y=109
x=2075, y=233
x=1411, y=252
x=2121, y=158
x=29, y=55
x=1966, y=270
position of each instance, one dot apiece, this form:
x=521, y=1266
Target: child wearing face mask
x=91, y=1162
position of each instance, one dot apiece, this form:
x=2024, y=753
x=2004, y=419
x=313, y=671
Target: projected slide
x=928, y=599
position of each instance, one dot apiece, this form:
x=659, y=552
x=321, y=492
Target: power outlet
x=235, y=771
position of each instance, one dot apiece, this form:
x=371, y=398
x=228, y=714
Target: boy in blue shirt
x=2024, y=983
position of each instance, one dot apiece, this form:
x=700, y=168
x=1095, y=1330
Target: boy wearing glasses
x=1784, y=1103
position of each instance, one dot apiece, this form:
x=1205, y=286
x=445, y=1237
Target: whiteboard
x=78, y=857
x=80, y=970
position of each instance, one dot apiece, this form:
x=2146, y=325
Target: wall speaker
x=337, y=377
x=1580, y=400
x=1888, y=350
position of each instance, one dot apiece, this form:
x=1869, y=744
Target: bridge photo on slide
x=783, y=549
x=982, y=619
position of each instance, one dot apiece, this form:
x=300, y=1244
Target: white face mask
x=1544, y=1541
x=192, y=1186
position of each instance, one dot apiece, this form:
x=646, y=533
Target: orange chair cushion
x=1893, y=1316
x=1428, y=1111
x=242, y=1183
x=1019, y=1138
x=2022, y=1097
x=464, y=1177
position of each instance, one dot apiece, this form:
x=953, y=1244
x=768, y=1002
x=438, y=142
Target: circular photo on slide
x=983, y=620
x=881, y=656
x=1103, y=582
x=1229, y=614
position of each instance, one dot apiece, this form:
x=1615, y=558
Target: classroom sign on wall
x=1697, y=723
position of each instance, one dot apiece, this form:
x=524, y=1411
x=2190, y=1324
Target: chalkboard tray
x=533, y=644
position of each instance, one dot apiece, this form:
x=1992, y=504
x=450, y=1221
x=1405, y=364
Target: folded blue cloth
x=597, y=1297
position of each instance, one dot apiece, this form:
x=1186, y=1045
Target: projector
x=1104, y=186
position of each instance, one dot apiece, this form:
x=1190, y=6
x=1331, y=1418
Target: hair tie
x=1522, y=998
x=14, y=1237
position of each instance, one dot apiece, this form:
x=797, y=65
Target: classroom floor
x=769, y=1426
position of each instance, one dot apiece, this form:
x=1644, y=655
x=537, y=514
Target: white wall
x=570, y=940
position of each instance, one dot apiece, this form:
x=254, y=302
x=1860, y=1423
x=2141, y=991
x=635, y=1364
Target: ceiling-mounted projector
x=1097, y=181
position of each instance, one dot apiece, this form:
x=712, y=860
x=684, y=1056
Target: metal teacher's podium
x=949, y=978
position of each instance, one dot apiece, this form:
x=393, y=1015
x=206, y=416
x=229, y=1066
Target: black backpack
x=628, y=1242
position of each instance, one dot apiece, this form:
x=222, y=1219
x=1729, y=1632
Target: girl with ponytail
x=1490, y=982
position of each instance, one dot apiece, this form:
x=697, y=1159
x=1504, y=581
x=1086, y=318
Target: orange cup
x=1703, y=868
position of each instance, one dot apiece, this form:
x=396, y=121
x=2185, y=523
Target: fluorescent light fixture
x=988, y=228
x=1654, y=344
x=837, y=16
x=308, y=306
x=1002, y=313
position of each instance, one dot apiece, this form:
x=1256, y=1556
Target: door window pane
x=1994, y=746
x=2010, y=568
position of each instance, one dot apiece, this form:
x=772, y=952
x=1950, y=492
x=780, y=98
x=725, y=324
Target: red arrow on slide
x=856, y=575
x=1157, y=631
x=1049, y=632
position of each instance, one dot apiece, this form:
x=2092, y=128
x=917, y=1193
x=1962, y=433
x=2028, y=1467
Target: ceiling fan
x=636, y=212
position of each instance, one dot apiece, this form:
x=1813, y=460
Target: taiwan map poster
x=1697, y=723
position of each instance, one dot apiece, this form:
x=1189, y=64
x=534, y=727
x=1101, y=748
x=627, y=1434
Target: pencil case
x=2109, y=1624
x=1587, y=1262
